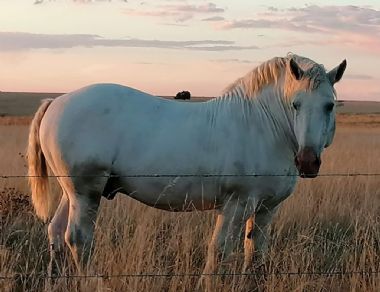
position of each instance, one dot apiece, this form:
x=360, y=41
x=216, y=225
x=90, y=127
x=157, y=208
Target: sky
x=166, y=46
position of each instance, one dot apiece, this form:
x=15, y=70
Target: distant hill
x=22, y=103
x=26, y=104
x=359, y=107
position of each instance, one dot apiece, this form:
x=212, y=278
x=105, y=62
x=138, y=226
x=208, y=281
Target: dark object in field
x=183, y=95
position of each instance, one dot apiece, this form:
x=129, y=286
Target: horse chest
x=274, y=189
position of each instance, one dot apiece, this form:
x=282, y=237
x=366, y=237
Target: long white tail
x=37, y=168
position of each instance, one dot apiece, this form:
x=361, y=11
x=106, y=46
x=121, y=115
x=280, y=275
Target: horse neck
x=269, y=109
x=276, y=113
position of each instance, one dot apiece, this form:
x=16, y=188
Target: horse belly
x=174, y=194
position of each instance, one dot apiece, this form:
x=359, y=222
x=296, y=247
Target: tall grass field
x=329, y=224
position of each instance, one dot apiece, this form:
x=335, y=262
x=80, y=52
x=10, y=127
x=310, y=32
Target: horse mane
x=271, y=71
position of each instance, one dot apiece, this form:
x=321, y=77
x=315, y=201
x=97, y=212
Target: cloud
x=233, y=60
x=271, y=8
x=315, y=18
x=266, y=23
x=180, y=12
x=204, y=8
x=355, y=25
x=214, y=18
x=80, y=1
x=222, y=48
x=175, y=24
x=17, y=41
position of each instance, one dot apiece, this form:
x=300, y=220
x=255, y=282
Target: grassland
x=16, y=104
x=328, y=224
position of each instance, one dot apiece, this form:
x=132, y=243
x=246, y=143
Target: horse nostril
x=296, y=161
x=317, y=161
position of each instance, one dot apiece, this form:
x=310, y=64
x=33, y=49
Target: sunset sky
x=167, y=46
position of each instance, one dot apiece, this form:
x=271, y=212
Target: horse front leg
x=248, y=243
x=226, y=240
x=256, y=236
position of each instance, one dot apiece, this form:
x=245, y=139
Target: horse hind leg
x=80, y=229
x=56, y=234
x=84, y=197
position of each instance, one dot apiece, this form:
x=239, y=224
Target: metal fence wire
x=326, y=274
x=251, y=175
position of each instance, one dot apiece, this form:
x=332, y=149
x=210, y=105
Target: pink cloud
x=20, y=41
x=78, y=1
x=353, y=25
x=315, y=18
x=204, y=8
x=180, y=12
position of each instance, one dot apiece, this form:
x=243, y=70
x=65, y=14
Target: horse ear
x=336, y=74
x=297, y=72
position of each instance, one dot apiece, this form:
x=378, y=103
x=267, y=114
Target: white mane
x=274, y=70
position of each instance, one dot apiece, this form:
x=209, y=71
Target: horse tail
x=37, y=167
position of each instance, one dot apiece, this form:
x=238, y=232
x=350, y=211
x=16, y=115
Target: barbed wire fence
x=327, y=274
x=253, y=175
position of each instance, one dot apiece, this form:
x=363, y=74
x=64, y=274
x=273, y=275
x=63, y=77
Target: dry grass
x=329, y=223
x=369, y=120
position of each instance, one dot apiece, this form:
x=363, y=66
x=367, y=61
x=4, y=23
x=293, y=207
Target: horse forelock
x=314, y=73
x=274, y=70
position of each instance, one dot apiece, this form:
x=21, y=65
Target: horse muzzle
x=307, y=162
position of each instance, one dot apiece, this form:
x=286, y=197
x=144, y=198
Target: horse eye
x=329, y=107
x=296, y=105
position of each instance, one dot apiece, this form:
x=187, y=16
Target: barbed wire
x=188, y=175
x=171, y=275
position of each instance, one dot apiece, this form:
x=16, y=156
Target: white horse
x=99, y=140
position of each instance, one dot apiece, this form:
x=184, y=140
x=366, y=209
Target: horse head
x=313, y=114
